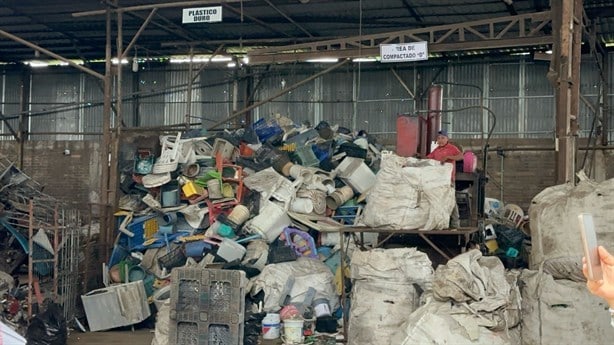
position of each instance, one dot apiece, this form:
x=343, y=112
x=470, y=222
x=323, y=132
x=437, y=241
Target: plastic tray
x=205, y=333
x=207, y=295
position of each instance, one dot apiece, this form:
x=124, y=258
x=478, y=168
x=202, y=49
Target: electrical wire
x=490, y=112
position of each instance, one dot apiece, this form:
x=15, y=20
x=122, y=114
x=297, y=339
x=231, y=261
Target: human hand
x=604, y=287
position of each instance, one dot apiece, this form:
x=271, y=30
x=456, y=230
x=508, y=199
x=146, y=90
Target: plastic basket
x=173, y=259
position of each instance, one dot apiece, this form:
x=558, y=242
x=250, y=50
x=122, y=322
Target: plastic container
x=293, y=331
x=224, y=148
x=191, y=189
x=321, y=307
x=214, y=188
x=301, y=242
x=160, y=296
x=271, y=326
x=173, y=259
x=302, y=205
x=170, y=195
x=269, y=223
x=105, y=309
x=356, y=174
x=470, y=162
x=239, y=215
x=305, y=156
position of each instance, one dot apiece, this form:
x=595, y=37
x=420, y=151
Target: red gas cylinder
x=408, y=135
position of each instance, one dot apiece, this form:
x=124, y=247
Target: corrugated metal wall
x=366, y=96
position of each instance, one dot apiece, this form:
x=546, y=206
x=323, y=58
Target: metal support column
x=106, y=142
x=565, y=76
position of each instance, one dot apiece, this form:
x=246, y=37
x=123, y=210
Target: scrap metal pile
x=24, y=207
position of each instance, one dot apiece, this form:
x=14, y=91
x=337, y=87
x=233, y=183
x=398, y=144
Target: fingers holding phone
x=592, y=258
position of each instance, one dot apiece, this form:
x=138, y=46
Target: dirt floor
x=138, y=337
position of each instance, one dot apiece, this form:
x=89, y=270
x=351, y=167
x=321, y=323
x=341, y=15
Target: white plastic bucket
x=271, y=326
x=293, y=331
x=160, y=296
x=302, y=205
x=270, y=222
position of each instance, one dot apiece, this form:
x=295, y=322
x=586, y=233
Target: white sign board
x=202, y=15
x=402, y=52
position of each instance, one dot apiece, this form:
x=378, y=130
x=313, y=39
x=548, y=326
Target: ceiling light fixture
x=364, y=59
x=322, y=60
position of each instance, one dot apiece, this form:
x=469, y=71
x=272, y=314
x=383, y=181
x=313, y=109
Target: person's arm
x=457, y=157
x=454, y=155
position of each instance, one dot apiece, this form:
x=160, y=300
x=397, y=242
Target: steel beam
x=288, y=18
x=138, y=33
x=511, y=31
x=50, y=53
x=157, y=5
x=256, y=20
x=564, y=75
x=277, y=95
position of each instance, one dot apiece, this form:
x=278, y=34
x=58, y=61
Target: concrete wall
x=528, y=167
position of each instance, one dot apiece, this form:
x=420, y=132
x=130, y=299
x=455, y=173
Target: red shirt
x=445, y=151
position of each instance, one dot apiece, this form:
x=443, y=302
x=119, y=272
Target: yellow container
x=492, y=246
x=191, y=189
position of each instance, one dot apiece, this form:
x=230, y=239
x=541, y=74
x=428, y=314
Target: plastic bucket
x=271, y=326
x=136, y=273
x=215, y=189
x=239, y=215
x=170, y=197
x=302, y=205
x=293, y=331
x=270, y=222
x=160, y=296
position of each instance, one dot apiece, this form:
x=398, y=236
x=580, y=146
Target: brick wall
x=73, y=178
x=528, y=168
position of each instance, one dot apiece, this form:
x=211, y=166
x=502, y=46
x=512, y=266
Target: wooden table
x=463, y=234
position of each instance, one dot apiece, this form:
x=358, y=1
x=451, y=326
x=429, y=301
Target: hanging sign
x=403, y=52
x=202, y=15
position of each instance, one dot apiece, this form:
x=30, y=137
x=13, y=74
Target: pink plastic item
x=289, y=312
x=470, y=162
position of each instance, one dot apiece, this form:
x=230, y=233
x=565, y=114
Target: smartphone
x=589, y=243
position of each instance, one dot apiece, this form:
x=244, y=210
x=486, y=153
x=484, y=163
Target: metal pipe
x=55, y=253
x=30, y=250
x=188, y=113
x=50, y=53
